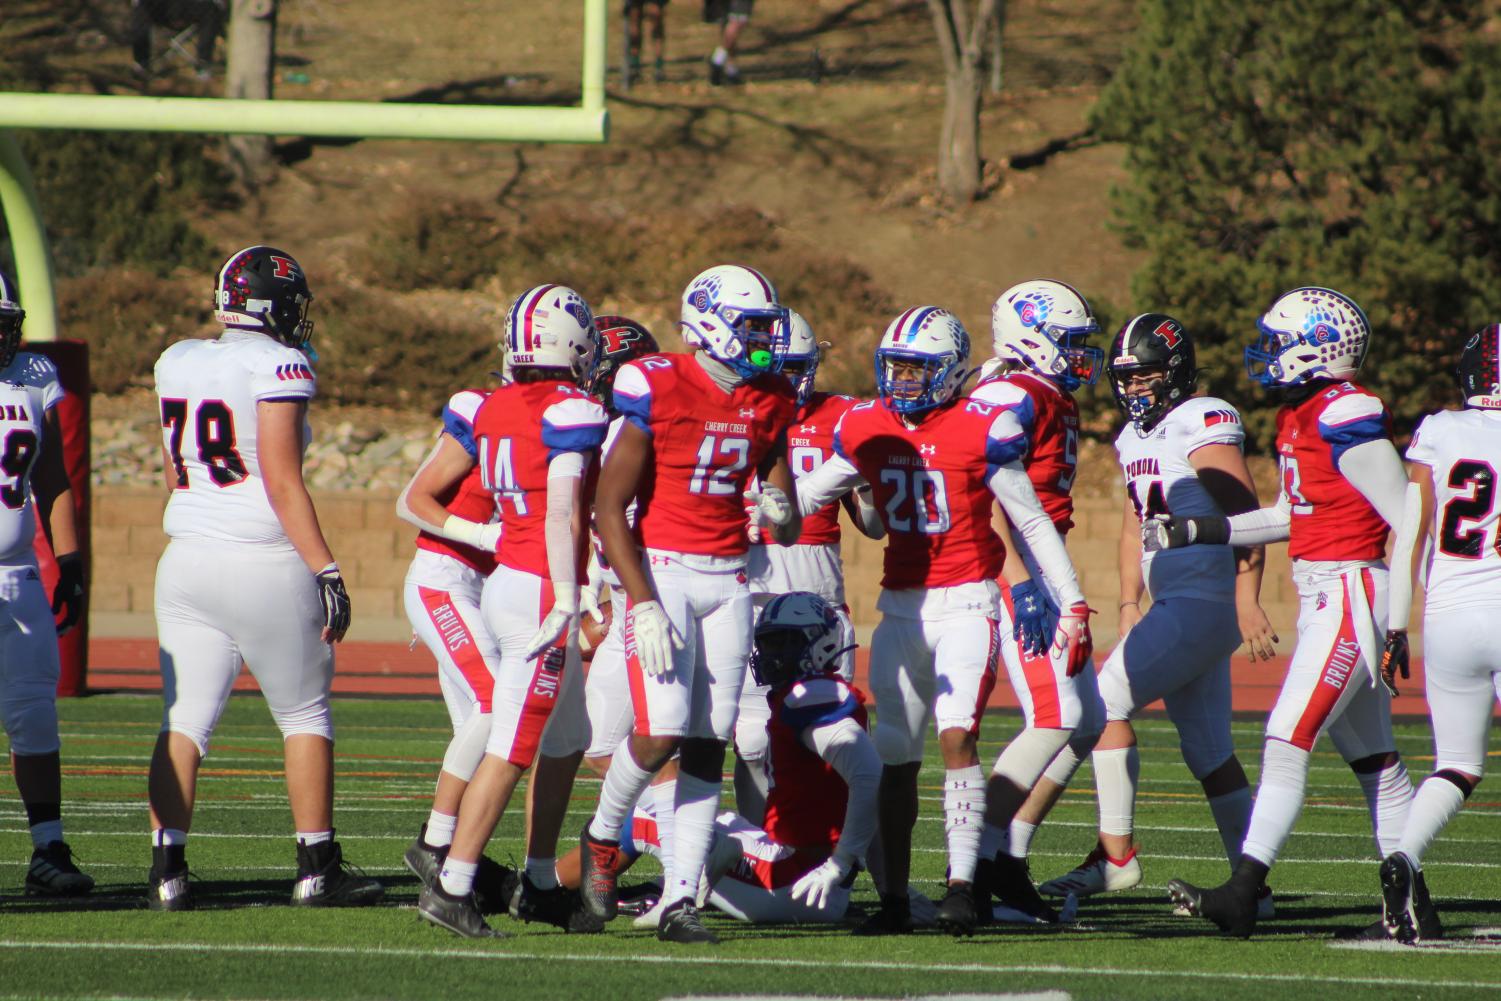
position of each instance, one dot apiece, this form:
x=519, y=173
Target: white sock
x=1021, y=838
x=163, y=836
x=440, y=828
x=46, y=832
x=664, y=808
x=963, y=816
x=1388, y=795
x=314, y=837
x=1115, y=775
x=457, y=878
x=720, y=56
x=1232, y=814
x=622, y=786
x=697, y=805
x=993, y=840
x=543, y=872
x=1279, y=800
x=1436, y=803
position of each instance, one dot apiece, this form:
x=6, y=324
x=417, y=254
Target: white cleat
x=1096, y=874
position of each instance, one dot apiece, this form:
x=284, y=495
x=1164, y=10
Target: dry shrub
x=613, y=261
x=128, y=317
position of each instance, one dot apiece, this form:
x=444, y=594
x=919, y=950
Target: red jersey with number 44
x=810, y=443
x=706, y=444
x=1050, y=419
x=470, y=499
x=518, y=432
x=1331, y=520
x=931, y=487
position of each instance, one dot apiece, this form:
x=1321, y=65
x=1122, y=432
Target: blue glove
x=1036, y=617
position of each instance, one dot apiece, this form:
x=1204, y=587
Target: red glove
x=1073, y=635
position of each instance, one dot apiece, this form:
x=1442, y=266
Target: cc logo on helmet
x=1030, y=312
x=701, y=300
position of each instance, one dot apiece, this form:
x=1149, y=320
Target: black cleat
x=168, y=891
x=1396, y=898
x=894, y=918
x=495, y=886
x=459, y=915
x=956, y=911
x=423, y=859
x=1011, y=882
x=599, y=861
x=324, y=879
x=1425, y=915
x=1231, y=910
x=558, y=907
x=983, y=888
x=53, y=874
x=681, y=923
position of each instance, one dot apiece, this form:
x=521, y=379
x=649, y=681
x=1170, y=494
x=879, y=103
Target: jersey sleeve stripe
x=1345, y=436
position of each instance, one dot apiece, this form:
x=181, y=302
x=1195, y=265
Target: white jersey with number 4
x=28, y=389
x=1463, y=449
x=209, y=391
x=1160, y=479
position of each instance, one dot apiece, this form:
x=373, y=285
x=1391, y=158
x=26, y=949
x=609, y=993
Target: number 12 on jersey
x=709, y=477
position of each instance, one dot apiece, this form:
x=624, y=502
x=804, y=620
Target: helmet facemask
x=1144, y=406
x=12, y=317
x=913, y=383
x=756, y=333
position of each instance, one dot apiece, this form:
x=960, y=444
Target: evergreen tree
x=1349, y=143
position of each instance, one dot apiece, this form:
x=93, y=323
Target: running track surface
x=391, y=669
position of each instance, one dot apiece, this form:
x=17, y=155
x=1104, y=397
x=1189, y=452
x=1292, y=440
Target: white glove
x=563, y=617
x=652, y=633
x=818, y=886
x=589, y=602
x=771, y=504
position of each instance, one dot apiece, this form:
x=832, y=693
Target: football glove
x=1035, y=615
x=68, y=597
x=1395, y=658
x=1163, y=531
x=335, y=599
x=1073, y=636
x=771, y=505
x=555, y=625
x=817, y=887
x=651, y=633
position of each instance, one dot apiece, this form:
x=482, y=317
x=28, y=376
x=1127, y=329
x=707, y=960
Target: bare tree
x=249, y=72
x=963, y=27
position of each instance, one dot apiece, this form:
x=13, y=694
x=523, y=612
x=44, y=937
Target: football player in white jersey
x=1450, y=529
x=247, y=575
x=1180, y=453
x=32, y=477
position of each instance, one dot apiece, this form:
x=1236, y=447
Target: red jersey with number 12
x=706, y=444
x=518, y=432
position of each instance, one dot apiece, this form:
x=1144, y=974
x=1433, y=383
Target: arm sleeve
x=828, y=482
x=1267, y=524
x=1399, y=597
x=849, y=751
x=1014, y=490
x=1373, y=468
x=563, y=472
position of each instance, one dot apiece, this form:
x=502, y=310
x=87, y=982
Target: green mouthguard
x=760, y=357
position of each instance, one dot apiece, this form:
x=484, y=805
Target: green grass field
x=244, y=942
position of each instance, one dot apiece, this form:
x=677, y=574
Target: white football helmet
x=799, y=351
x=1043, y=324
x=1309, y=333
x=933, y=338
x=732, y=313
x=550, y=326
x=797, y=636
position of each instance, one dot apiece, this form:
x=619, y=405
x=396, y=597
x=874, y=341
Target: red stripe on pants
x=987, y=683
x=542, y=690
x=1337, y=674
x=460, y=643
x=634, y=674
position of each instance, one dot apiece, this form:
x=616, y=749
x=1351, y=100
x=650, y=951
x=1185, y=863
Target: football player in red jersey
x=535, y=440
x=698, y=425
x=1040, y=330
x=813, y=564
x=1343, y=484
x=937, y=464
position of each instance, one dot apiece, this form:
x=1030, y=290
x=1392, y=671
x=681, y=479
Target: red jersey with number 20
x=518, y=432
x=469, y=498
x=1331, y=520
x=1050, y=419
x=932, y=488
x=810, y=443
x=706, y=444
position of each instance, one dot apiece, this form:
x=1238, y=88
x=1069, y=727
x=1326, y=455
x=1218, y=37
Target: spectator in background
x=640, y=13
x=733, y=15
x=176, y=16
